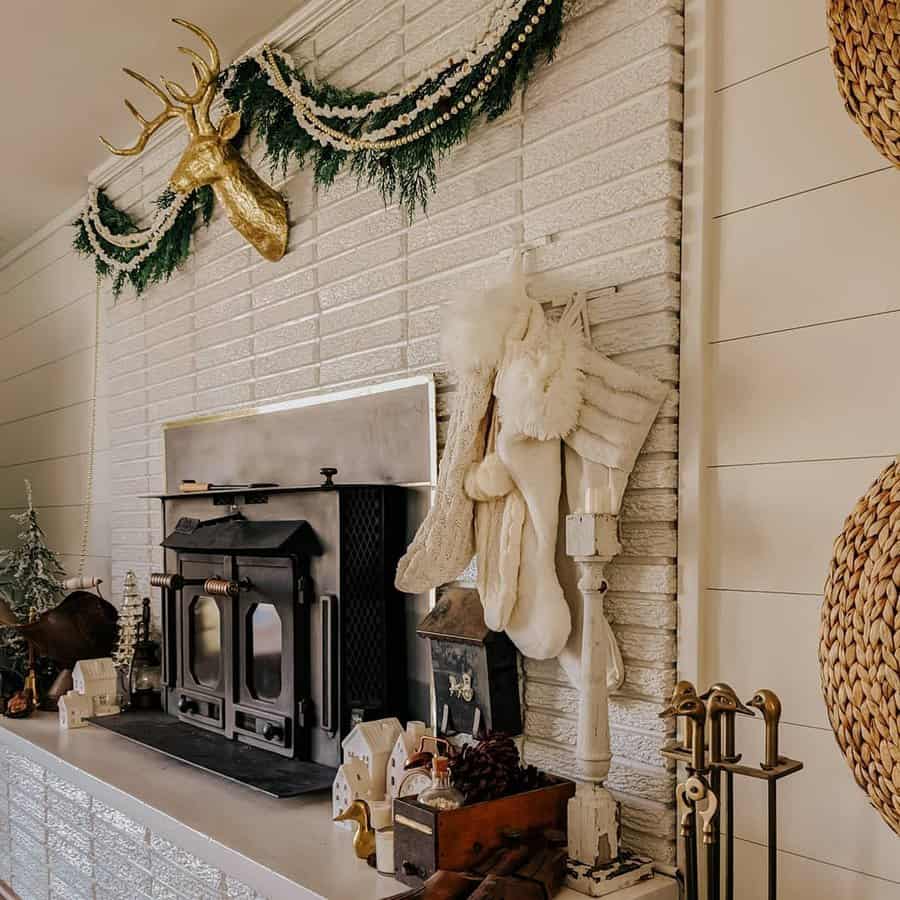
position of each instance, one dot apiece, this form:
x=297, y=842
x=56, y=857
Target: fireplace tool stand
x=699, y=796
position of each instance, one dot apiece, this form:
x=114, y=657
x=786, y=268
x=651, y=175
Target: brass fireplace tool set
x=706, y=747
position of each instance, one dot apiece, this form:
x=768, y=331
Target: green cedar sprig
x=173, y=249
x=407, y=174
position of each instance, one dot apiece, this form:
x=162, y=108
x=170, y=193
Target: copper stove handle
x=225, y=587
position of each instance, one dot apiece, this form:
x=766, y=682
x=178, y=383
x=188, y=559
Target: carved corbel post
x=592, y=541
x=597, y=864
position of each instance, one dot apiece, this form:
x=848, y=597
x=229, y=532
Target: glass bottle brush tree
x=130, y=614
x=31, y=577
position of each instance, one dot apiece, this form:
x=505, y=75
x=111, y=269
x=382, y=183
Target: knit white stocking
x=540, y=621
x=445, y=542
x=499, y=519
x=498, y=537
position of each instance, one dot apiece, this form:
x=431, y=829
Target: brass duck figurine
x=364, y=839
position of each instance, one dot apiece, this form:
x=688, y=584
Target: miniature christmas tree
x=129, y=623
x=33, y=574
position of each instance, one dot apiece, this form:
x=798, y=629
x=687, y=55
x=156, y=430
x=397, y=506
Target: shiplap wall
x=47, y=330
x=801, y=369
x=589, y=157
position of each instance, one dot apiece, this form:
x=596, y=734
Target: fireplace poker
x=723, y=704
x=689, y=833
x=770, y=707
x=716, y=704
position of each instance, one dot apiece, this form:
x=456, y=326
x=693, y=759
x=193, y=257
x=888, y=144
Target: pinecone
x=492, y=769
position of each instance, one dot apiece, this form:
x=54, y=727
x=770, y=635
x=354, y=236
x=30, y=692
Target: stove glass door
x=272, y=657
x=205, y=655
x=205, y=666
x=264, y=649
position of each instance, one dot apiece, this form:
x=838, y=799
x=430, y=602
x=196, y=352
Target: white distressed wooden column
x=593, y=813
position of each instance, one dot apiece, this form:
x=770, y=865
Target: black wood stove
x=281, y=629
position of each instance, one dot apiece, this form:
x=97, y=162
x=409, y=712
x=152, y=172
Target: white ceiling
x=61, y=84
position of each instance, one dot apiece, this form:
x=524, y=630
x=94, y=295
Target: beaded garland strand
x=141, y=258
x=392, y=141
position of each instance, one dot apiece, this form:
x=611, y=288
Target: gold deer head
x=256, y=210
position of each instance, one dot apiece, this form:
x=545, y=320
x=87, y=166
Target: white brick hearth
x=59, y=841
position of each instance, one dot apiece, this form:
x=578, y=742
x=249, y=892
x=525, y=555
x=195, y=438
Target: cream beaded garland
x=162, y=221
x=309, y=115
x=148, y=239
x=464, y=61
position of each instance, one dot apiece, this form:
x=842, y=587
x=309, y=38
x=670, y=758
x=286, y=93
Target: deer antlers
x=194, y=108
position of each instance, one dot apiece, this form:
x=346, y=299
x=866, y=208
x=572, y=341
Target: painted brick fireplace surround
x=588, y=165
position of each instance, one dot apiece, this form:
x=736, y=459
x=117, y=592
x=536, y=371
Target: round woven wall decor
x=865, y=50
x=859, y=643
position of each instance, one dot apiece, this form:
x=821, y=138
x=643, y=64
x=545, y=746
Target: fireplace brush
x=710, y=722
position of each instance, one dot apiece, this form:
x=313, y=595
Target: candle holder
x=145, y=682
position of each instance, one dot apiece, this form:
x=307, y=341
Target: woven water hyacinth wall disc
x=865, y=50
x=859, y=643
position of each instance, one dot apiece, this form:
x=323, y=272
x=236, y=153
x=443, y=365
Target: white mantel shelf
x=283, y=849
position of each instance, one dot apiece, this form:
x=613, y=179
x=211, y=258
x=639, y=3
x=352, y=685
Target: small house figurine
x=372, y=742
x=97, y=680
x=74, y=709
x=351, y=783
x=406, y=744
x=476, y=673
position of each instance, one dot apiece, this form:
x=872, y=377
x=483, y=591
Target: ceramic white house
x=351, y=783
x=98, y=681
x=372, y=742
x=405, y=745
x=74, y=708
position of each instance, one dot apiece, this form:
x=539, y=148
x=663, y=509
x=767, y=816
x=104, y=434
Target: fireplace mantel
x=90, y=796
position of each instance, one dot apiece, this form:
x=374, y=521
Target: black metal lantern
x=146, y=667
x=476, y=675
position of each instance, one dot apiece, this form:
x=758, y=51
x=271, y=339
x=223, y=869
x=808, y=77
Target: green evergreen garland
x=173, y=249
x=405, y=175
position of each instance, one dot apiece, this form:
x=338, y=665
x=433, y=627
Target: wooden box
x=476, y=673
x=426, y=839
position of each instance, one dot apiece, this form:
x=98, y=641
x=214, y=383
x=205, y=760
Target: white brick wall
x=589, y=157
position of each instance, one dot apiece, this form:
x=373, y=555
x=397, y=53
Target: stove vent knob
x=272, y=732
x=186, y=705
